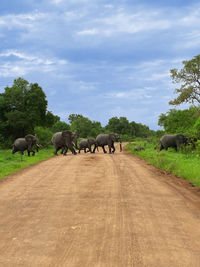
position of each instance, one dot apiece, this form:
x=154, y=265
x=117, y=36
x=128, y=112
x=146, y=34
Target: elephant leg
x=113, y=148
x=65, y=149
x=161, y=147
x=33, y=152
x=104, y=149
x=90, y=150
x=72, y=149
x=94, y=149
x=56, y=151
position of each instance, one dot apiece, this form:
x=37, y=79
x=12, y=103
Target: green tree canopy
x=84, y=126
x=24, y=107
x=189, y=78
x=179, y=121
x=60, y=126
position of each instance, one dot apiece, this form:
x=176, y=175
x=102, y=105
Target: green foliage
x=84, y=126
x=189, y=77
x=23, y=107
x=44, y=135
x=73, y=117
x=130, y=129
x=197, y=128
x=11, y=163
x=180, y=121
x=51, y=119
x=185, y=165
x=60, y=126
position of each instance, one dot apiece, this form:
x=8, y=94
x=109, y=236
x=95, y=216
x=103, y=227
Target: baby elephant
x=139, y=148
x=86, y=143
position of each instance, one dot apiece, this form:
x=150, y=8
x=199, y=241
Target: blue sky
x=99, y=58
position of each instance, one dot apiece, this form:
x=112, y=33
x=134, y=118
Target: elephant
x=63, y=140
x=173, y=141
x=74, y=142
x=108, y=139
x=86, y=143
x=26, y=143
x=138, y=148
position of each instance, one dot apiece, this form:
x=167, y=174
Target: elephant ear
x=112, y=136
x=29, y=139
x=75, y=134
x=67, y=134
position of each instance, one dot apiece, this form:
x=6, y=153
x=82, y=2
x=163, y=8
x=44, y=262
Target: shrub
x=44, y=135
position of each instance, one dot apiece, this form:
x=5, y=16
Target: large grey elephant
x=63, y=140
x=87, y=143
x=74, y=142
x=26, y=143
x=108, y=139
x=174, y=141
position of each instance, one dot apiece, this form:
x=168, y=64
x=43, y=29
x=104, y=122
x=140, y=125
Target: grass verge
x=183, y=165
x=12, y=163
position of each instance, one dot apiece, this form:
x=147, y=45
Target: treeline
x=185, y=121
x=23, y=110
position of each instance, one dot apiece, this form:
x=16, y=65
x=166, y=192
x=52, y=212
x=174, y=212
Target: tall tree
x=25, y=106
x=189, y=78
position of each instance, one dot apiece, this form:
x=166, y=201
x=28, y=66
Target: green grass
x=185, y=165
x=12, y=163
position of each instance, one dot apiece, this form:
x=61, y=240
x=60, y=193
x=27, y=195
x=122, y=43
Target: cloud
x=88, y=32
x=136, y=94
x=21, y=20
x=23, y=63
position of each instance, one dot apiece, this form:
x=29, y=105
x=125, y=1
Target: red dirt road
x=98, y=210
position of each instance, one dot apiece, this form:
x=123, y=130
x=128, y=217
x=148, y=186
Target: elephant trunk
x=37, y=147
x=120, y=144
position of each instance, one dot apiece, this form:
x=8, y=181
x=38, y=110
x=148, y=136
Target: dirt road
x=97, y=210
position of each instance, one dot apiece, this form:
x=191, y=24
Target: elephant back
x=102, y=139
x=20, y=144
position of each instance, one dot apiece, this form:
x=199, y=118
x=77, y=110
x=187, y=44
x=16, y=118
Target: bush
x=44, y=135
x=60, y=126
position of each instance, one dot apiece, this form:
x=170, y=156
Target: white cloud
x=26, y=63
x=21, y=20
x=57, y=1
x=158, y=76
x=135, y=94
x=88, y=32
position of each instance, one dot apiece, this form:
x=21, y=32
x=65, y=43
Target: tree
x=60, y=126
x=189, y=77
x=25, y=107
x=73, y=117
x=179, y=121
x=118, y=125
x=51, y=119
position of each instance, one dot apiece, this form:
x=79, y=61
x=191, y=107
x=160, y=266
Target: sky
x=99, y=58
